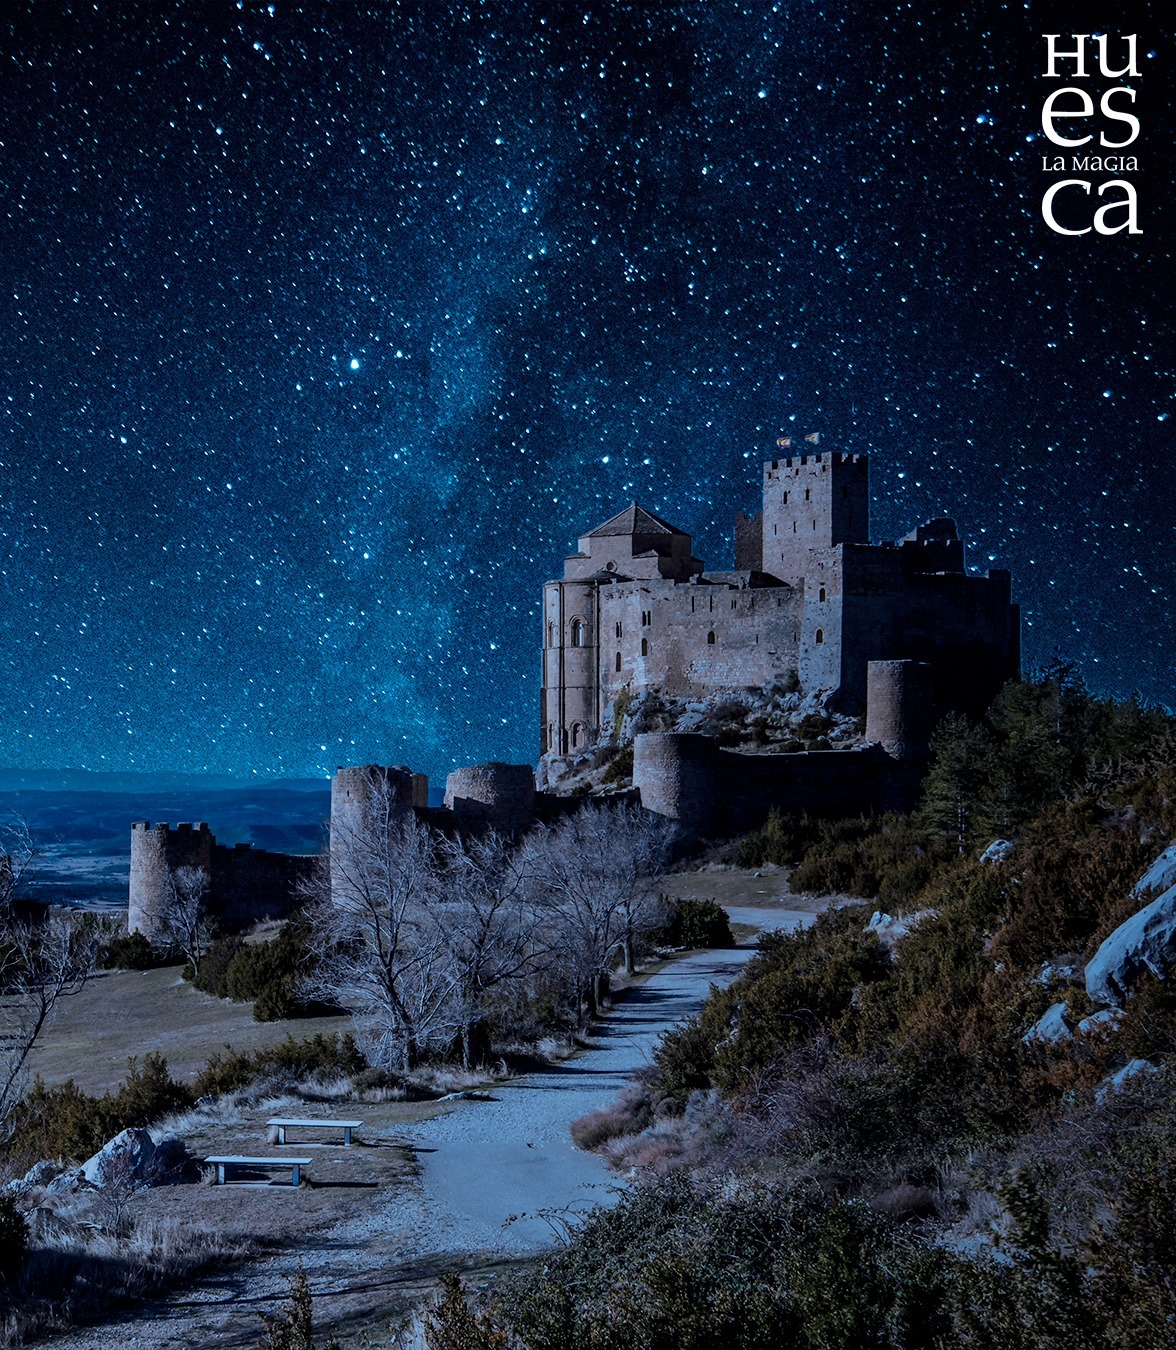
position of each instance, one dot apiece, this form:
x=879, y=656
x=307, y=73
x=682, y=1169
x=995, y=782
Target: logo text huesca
x=1093, y=146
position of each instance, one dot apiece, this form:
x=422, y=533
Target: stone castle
x=810, y=599
x=899, y=630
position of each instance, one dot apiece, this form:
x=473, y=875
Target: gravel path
x=497, y=1175
x=499, y=1180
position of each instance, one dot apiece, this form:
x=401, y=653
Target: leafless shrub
x=628, y=1115
x=184, y=921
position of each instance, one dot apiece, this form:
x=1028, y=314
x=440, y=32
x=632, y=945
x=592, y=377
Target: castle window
x=793, y=531
x=551, y=735
x=618, y=630
x=808, y=494
x=775, y=529
x=710, y=639
x=644, y=646
x=820, y=636
x=578, y=633
x=786, y=499
x=577, y=735
x=821, y=593
x=618, y=662
x=551, y=635
x=814, y=524
x=734, y=604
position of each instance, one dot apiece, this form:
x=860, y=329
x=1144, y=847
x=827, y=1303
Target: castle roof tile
x=634, y=519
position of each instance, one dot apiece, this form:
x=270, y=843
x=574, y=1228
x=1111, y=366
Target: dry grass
x=123, y=1013
x=77, y=1272
x=627, y=1116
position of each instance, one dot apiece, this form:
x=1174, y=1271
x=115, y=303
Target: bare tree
x=375, y=946
x=488, y=928
x=18, y=855
x=597, y=873
x=39, y=964
x=184, y=921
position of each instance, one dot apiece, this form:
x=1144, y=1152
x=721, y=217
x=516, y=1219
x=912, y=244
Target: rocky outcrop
x=891, y=929
x=1145, y=942
x=1000, y=850
x=1051, y=1028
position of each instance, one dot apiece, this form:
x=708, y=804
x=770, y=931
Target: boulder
x=1101, y=1023
x=891, y=929
x=42, y=1173
x=126, y=1160
x=1160, y=875
x=1051, y=1028
x=1137, y=1068
x=1145, y=941
x=67, y=1181
x=1061, y=970
x=1000, y=850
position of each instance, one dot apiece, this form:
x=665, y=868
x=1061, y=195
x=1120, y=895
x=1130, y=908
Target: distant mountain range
x=81, y=821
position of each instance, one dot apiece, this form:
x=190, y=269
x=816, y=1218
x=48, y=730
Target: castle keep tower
x=812, y=502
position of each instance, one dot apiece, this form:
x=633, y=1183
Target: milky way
x=326, y=331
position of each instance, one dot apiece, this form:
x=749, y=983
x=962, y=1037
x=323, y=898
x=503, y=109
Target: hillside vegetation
x=863, y=1141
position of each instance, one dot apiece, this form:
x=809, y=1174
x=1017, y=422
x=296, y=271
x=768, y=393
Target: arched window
x=820, y=636
x=644, y=646
x=710, y=639
x=821, y=594
x=578, y=633
x=618, y=663
x=577, y=735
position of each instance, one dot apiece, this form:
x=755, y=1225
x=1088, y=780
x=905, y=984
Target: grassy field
x=122, y=1013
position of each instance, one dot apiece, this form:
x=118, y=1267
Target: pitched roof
x=634, y=519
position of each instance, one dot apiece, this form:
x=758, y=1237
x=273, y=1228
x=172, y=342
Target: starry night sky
x=327, y=329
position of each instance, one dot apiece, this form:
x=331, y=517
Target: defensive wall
x=245, y=884
x=712, y=792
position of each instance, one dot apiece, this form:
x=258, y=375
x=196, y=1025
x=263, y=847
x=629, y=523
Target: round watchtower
x=900, y=711
x=675, y=774
x=156, y=852
x=501, y=796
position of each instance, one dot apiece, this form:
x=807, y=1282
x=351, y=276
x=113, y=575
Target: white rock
x=1060, y=968
x=1145, y=941
x=1160, y=875
x=1137, y=1068
x=891, y=929
x=1051, y=1027
x=1000, y=850
x=125, y=1160
x=1101, y=1023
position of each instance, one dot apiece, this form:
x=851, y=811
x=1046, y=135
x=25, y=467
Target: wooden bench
x=222, y=1163
x=284, y=1123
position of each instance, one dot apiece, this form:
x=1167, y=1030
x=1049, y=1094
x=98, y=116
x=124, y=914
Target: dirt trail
x=498, y=1179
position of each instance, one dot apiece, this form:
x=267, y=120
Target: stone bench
x=223, y=1163
x=284, y=1123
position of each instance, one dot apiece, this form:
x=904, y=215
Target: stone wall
x=495, y=796
x=245, y=884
